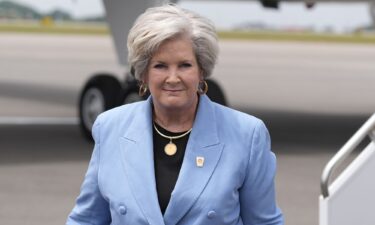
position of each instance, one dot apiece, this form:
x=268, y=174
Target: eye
x=186, y=65
x=159, y=66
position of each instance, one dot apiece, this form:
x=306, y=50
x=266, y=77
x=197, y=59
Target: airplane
x=104, y=91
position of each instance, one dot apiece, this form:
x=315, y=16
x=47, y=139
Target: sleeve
x=91, y=208
x=257, y=195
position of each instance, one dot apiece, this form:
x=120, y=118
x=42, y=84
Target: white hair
x=162, y=23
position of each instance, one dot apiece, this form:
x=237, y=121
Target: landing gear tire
x=101, y=92
x=215, y=93
x=131, y=95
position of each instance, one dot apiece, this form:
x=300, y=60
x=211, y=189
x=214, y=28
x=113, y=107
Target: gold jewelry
x=200, y=161
x=142, y=89
x=202, y=87
x=170, y=148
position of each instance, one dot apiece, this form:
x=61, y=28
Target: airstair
x=350, y=198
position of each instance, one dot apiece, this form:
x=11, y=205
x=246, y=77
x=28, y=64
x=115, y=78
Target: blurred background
x=308, y=72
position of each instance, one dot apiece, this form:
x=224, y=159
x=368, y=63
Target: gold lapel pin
x=200, y=161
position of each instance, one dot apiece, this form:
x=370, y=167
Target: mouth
x=173, y=90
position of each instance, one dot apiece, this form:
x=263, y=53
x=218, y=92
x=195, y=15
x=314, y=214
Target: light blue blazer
x=235, y=184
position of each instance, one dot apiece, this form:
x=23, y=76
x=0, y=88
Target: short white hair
x=162, y=23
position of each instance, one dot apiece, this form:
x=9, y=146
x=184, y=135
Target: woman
x=177, y=158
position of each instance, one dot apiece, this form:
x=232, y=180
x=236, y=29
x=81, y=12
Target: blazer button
x=122, y=209
x=211, y=214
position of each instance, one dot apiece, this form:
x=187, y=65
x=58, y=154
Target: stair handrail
x=367, y=129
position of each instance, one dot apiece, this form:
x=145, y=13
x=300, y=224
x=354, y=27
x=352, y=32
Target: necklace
x=170, y=148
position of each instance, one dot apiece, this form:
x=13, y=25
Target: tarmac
x=312, y=97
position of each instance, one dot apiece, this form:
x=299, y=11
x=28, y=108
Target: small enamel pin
x=200, y=161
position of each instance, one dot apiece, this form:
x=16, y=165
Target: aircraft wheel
x=101, y=92
x=215, y=93
x=130, y=92
x=131, y=95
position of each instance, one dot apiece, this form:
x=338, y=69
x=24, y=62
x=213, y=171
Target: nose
x=173, y=76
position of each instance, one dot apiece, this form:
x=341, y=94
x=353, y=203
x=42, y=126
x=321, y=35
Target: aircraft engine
x=310, y=4
x=270, y=4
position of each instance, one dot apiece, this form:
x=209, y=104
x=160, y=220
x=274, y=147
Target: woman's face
x=173, y=75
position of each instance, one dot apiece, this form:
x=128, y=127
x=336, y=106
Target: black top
x=167, y=167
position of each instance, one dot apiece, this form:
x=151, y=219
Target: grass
x=65, y=28
x=102, y=29
x=304, y=37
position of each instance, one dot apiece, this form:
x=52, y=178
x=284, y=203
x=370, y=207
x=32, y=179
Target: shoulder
x=115, y=119
x=228, y=118
x=241, y=128
x=123, y=112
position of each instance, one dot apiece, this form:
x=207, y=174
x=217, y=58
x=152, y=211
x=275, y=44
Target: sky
x=340, y=17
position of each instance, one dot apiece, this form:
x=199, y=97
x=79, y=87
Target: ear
x=201, y=77
x=144, y=78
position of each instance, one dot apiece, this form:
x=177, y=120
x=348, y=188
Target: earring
x=202, y=87
x=142, y=89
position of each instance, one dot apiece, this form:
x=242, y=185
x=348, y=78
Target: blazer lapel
x=138, y=161
x=203, y=144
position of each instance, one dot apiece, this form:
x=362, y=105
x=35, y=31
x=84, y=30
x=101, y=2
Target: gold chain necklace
x=170, y=148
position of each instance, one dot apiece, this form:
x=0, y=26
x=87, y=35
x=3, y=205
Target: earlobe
x=144, y=78
x=143, y=88
x=202, y=87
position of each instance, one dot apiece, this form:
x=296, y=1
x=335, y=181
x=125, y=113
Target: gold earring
x=142, y=89
x=202, y=87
